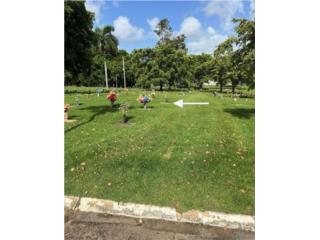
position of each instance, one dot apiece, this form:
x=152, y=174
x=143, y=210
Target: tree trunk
x=233, y=89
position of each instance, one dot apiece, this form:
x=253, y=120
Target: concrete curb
x=217, y=219
x=70, y=202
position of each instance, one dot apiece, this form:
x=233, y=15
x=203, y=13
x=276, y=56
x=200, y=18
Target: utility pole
x=106, y=74
x=124, y=74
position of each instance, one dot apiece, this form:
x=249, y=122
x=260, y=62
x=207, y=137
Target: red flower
x=112, y=96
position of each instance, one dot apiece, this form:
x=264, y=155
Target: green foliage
x=245, y=54
x=105, y=43
x=164, y=31
x=200, y=67
x=234, y=59
x=167, y=65
x=222, y=62
x=78, y=39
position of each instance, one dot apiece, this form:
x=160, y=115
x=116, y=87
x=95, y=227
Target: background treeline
x=167, y=65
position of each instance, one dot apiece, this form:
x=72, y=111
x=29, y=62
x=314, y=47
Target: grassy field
x=198, y=157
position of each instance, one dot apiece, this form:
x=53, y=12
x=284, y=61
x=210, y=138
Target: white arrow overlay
x=180, y=103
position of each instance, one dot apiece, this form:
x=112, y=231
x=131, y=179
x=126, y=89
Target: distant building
x=210, y=83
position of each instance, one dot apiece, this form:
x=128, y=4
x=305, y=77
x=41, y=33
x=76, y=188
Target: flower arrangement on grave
x=124, y=110
x=153, y=95
x=66, y=109
x=112, y=96
x=144, y=99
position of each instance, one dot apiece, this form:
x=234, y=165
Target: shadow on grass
x=126, y=122
x=128, y=118
x=96, y=110
x=139, y=107
x=245, y=96
x=240, y=112
x=73, y=117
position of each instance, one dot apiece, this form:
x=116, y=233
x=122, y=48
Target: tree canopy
x=78, y=23
x=166, y=65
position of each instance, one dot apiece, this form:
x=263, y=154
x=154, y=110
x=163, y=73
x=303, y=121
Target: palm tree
x=106, y=42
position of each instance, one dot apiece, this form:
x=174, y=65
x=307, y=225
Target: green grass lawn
x=198, y=157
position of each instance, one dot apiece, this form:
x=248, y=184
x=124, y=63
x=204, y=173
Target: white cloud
x=125, y=31
x=211, y=30
x=95, y=7
x=252, y=8
x=153, y=22
x=115, y=3
x=199, y=39
x=205, y=44
x=191, y=27
x=225, y=10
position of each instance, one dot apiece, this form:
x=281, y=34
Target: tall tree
x=78, y=33
x=200, y=66
x=105, y=42
x=245, y=54
x=141, y=63
x=164, y=31
x=169, y=64
x=222, y=62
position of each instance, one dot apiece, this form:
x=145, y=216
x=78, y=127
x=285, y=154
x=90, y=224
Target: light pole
x=124, y=73
x=106, y=74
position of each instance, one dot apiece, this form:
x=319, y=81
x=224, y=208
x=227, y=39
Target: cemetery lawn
x=198, y=157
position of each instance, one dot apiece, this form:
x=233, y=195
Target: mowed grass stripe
x=168, y=156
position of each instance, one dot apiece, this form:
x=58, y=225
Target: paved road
x=91, y=226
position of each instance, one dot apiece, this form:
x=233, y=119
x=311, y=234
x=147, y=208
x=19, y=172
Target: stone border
x=70, y=202
x=217, y=219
